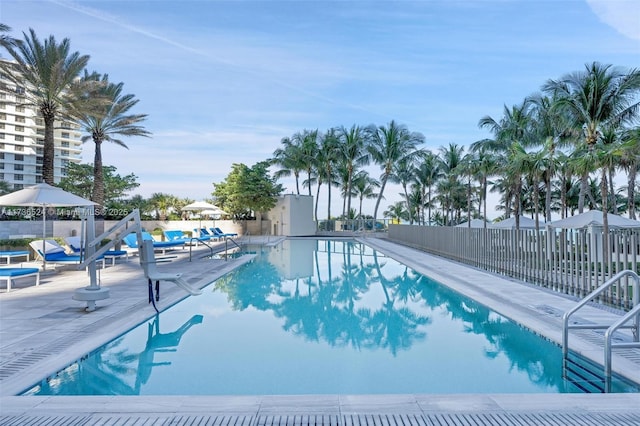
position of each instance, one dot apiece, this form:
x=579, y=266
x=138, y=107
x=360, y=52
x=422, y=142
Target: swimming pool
x=321, y=317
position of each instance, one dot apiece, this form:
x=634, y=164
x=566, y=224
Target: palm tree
x=403, y=173
x=290, y=160
x=389, y=145
x=364, y=187
x=352, y=154
x=486, y=165
x=107, y=122
x=6, y=40
x=512, y=128
x=426, y=175
x=49, y=70
x=451, y=165
x=396, y=212
x=326, y=173
x=630, y=162
x=600, y=96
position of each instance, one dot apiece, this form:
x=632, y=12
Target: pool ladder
x=633, y=315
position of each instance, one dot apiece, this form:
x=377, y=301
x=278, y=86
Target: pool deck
x=42, y=330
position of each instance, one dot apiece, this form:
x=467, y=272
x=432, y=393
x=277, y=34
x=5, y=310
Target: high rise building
x=22, y=139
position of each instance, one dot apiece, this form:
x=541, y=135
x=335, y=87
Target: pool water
x=322, y=317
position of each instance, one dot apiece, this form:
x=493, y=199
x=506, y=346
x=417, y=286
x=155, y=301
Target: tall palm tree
x=511, y=128
x=426, y=175
x=105, y=123
x=6, y=40
x=403, y=173
x=451, y=160
x=601, y=95
x=352, y=154
x=290, y=160
x=630, y=162
x=364, y=187
x=389, y=145
x=486, y=165
x=49, y=70
x=326, y=172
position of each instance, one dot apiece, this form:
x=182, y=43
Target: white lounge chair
x=55, y=253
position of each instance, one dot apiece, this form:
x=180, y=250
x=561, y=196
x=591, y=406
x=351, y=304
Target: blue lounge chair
x=74, y=244
x=131, y=241
x=203, y=234
x=8, y=255
x=55, y=253
x=217, y=231
x=175, y=235
x=10, y=274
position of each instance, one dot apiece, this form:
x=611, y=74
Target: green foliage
x=79, y=181
x=246, y=190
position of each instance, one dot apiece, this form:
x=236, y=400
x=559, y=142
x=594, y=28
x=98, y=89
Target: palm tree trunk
x=380, y=195
x=48, y=150
x=98, y=179
x=583, y=191
x=315, y=213
x=605, y=219
x=631, y=190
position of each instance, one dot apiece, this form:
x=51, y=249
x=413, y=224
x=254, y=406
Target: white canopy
x=525, y=223
x=475, y=223
x=594, y=218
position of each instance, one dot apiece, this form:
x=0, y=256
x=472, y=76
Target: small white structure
x=293, y=216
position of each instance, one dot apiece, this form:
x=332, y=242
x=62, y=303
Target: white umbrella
x=201, y=207
x=43, y=195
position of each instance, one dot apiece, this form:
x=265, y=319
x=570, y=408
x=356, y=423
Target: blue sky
x=224, y=81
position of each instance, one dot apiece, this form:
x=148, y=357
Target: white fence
x=570, y=261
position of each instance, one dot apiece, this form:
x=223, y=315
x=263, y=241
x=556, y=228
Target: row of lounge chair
x=54, y=253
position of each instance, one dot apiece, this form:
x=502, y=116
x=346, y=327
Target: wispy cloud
x=621, y=15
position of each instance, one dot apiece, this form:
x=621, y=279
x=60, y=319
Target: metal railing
x=611, y=328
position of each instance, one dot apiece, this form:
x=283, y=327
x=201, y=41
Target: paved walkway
x=42, y=330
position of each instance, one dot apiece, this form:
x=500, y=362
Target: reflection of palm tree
x=160, y=342
x=395, y=328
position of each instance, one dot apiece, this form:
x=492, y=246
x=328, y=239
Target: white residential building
x=22, y=140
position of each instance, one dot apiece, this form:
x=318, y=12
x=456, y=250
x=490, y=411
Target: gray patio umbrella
x=201, y=207
x=43, y=195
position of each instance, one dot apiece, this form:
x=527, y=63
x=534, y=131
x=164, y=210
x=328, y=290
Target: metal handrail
x=611, y=328
x=608, y=335
x=198, y=240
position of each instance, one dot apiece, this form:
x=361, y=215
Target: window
x=39, y=122
x=1, y=135
x=18, y=177
x=40, y=151
x=39, y=178
x=18, y=167
x=20, y=99
x=19, y=128
x=1, y=176
x=19, y=138
x=65, y=135
x=19, y=108
x=1, y=155
x=39, y=170
x=1, y=166
x=1, y=146
x=3, y=116
x=18, y=186
x=20, y=119
x=20, y=90
x=64, y=153
x=64, y=163
x=18, y=157
x=3, y=105
x=65, y=144
x=1, y=125
x=19, y=148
